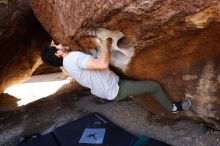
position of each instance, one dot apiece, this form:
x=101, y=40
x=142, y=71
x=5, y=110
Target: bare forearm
x=103, y=60
x=105, y=54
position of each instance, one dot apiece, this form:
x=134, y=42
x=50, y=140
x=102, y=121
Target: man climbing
x=94, y=73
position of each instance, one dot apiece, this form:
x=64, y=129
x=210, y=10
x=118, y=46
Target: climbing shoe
x=183, y=105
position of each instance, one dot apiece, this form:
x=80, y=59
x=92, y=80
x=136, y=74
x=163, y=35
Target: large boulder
x=21, y=39
x=176, y=43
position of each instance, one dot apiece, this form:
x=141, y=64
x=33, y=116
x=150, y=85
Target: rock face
x=21, y=39
x=176, y=43
x=46, y=69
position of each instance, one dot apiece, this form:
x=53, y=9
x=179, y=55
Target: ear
x=58, y=53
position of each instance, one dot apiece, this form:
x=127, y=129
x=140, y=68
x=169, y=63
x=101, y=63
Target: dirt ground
x=45, y=114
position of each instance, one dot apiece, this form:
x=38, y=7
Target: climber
x=94, y=74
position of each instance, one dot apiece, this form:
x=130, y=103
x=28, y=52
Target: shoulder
x=73, y=55
x=76, y=58
x=76, y=54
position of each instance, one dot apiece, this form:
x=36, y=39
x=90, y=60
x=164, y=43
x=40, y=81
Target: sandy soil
x=48, y=113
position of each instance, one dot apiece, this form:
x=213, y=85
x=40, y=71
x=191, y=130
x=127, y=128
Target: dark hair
x=48, y=56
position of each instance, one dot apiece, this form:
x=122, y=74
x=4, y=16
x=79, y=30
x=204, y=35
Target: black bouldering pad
x=91, y=130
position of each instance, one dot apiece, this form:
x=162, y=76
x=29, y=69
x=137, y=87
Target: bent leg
x=132, y=88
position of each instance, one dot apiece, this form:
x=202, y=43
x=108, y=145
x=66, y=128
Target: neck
x=65, y=54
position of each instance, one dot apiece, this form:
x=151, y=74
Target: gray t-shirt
x=103, y=83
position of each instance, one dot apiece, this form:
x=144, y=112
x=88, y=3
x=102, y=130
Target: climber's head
x=54, y=54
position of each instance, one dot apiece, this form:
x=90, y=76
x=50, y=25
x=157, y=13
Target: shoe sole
x=186, y=104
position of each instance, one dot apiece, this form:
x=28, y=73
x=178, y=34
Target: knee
x=155, y=85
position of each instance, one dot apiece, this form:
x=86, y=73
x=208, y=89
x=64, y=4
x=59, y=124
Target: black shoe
x=183, y=105
x=23, y=139
x=35, y=135
x=26, y=138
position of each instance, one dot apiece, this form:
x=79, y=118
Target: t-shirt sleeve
x=82, y=60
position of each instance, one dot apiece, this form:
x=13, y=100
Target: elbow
x=104, y=65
